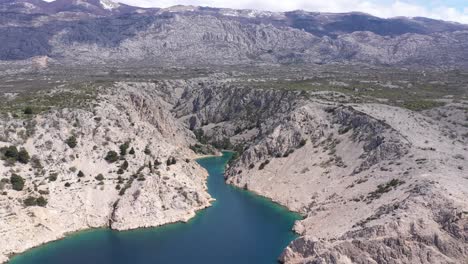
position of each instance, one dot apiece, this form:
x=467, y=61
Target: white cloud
x=382, y=8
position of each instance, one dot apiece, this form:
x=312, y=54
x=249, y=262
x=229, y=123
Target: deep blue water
x=239, y=228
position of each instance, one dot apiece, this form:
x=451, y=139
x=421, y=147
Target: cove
x=240, y=227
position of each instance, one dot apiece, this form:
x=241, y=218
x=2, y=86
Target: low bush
x=71, y=142
x=17, y=182
x=112, y=156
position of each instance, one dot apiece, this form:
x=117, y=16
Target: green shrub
x=111, y=156
x=419, y=105
x=67, y=184
x=80, y=174
x=124, y=165
x=53, y=177
x=71, y=142
x=263, y=164
x=17, y=182
x=11, y=152
x=23, y=156
x=123, y=148
x=99, y=177
x=28, y=111
x=302, y=142
x=147, y=150
x=30, y=201
x=41, y=201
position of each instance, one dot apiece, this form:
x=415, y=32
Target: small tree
x=132, y=151
x=41, y=201
x=28, y=111
x=53, y=177
x=71, y=142
x=111, y=156
x=80, y=174
x=23, y=156
x=30, y=201
x=17, y=182
x=11, y=152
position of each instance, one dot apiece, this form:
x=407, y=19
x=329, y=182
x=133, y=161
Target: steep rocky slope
x=150, y=181
x=86, y=32
x=375, y=183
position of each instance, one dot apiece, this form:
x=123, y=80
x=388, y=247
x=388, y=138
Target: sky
x=451, y=10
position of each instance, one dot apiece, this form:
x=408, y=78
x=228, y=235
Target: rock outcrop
x=86, y=187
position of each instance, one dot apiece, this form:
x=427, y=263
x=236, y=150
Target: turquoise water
x=240, y=227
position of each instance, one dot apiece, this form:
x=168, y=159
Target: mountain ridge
x=89, y=32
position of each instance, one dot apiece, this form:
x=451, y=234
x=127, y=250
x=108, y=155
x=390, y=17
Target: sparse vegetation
x=384, y=188
x=99, y=177
x=124, y=165
x=12, y=154
x=419, y=105
x=33, y=201
x=147, y=150
x=171, y=161
x=123, y=148
x=263, y=164
x=71, y=142
x=112, y=156
x=302, y=143
x=200, y=135
x=28, y=111
x=23, y=156
x=17, y=182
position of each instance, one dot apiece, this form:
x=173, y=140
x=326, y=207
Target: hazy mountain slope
x=95, y=32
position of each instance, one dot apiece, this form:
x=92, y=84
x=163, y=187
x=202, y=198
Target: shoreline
x=190, y=216
x=91, y=229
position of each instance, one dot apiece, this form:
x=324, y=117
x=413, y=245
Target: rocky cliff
x=375, y=183
x=120, y=160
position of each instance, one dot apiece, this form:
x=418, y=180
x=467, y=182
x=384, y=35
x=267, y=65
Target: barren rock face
x=360, y=184
x=138, y=189
x=375, y=183
x=95, y=32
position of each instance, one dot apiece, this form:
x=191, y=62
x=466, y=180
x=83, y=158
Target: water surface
x=240, y=227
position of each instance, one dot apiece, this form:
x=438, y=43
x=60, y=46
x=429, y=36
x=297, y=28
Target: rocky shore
x=151, y=180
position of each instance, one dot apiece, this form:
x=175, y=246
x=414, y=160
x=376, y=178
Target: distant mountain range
x=102, y=31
